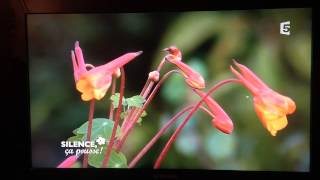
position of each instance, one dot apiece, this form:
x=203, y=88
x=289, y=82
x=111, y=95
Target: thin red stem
x=157, y=136
x=147, y=147
x=144, y=93
x=116, y=121
x=90, y=121
x=133, y=112
x=147, y=84
x=161, y=65
x=184, y=122
x=135, y=118
x=145, y=87
x=113, y=90
x=126, y=119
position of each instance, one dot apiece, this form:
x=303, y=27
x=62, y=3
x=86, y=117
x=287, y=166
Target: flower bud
x=154, y=76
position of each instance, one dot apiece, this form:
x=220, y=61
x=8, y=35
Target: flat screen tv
x=221, y=90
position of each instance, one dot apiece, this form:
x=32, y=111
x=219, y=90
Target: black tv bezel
x=19, y=63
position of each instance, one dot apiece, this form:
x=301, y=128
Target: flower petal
x=83, y=84
x=290, y=105
x=272, y=117
x=87, y=96
x=102, y=87
x=94, y=85
x=116, y=63
x=223, y=125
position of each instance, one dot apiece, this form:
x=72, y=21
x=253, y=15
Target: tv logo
x=285, y=28
x=83, y=147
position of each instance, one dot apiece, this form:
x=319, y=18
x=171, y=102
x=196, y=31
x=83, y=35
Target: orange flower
x=271, y=107
x=221, y=119
x=192, y=78
x=94, y=83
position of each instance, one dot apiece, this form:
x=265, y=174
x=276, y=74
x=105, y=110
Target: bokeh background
x=208, y=41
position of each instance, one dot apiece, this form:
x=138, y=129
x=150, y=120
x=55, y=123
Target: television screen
x=214, y=90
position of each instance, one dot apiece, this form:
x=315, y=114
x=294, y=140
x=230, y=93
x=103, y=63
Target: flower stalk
x=116, y=121
x=184, y=122
x=147, y=147
x=90, y=122
x=113, y=90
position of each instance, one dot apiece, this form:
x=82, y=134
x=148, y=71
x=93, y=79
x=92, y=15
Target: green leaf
x=123, y=115
x=78, y=137
x=117, y=160
x=115, y=100
x=139, y=121
x=135, y=101
x=101, y=127
x=76, y=165
x=75, y=131
x=144, y=114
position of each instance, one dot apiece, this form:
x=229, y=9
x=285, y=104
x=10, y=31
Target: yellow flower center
x=272, y=117
x=93, y=86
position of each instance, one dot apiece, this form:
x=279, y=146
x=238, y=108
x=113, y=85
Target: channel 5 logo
x=285, y=28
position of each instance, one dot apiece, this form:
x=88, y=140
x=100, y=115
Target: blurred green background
x=208, y=41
